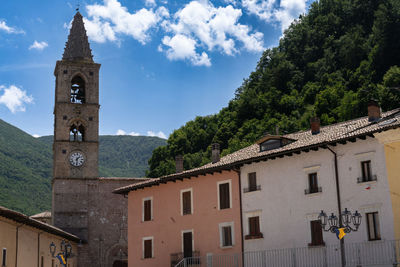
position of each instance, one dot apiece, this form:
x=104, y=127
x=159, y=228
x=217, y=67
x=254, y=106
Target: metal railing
x=373, y=253
x=312, y=190
x=367, y=179
x=252, y=188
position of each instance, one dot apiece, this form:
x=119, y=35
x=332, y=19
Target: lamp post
x=340, y=226
x=65, y=251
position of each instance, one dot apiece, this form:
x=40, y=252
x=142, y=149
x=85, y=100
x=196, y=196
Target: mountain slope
x=26, y=165
x=329, y=63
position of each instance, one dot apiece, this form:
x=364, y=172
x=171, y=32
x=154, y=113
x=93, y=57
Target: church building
x=82, y=202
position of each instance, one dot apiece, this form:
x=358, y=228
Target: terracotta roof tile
x=304, y=140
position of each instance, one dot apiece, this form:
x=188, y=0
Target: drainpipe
x=38, y=249
x=342, y=251
x=16, y=244
x=237, y=170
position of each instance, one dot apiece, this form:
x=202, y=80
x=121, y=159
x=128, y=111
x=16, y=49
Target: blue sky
x=164, y=62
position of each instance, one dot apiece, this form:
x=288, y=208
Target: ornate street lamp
x=65, y=252
x=337, y=226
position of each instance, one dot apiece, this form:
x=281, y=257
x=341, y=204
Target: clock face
x=76, y=159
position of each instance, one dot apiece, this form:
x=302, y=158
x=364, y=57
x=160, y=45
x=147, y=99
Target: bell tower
x=76, y=131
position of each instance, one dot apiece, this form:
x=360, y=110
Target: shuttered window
x=187, y=202
x=252, y=182
x=313, y=182
x=366, y=171
x=224, y=197
x=316, y=233
x=254, y=226
x=148, y=249
x=4, y=257
x=147, y=210
x=226, y=236
x=373, y=226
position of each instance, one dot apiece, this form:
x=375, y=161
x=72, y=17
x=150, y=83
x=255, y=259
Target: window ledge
x=373, y=178
x=227, y=247
x=249, y=237
x=367, y=182
x=148, y=221
x=252, y=191
x=313, y=194
x=374, y=240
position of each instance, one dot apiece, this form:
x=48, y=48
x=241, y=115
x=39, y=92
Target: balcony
x=252, y=188
x=177, y=257
x=312, y=190
x=366, y=179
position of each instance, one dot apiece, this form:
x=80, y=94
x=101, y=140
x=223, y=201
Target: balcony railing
x=366, y=179
x=179, y=256
x=252, y=188
x=312, y=190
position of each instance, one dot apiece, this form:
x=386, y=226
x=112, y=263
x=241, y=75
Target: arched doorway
x=119, y=263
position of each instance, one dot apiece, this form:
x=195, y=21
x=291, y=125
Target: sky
x=163, y=62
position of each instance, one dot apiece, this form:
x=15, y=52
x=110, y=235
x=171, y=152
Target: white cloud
x=14, y=98
x=183, y=47
x=150, y=3
x=38, y=45
x=8, y=29
x=122, y=132
x=200, y=25
x=159, y=134
x=36, y=135
x=110, y=19
x=283, y=12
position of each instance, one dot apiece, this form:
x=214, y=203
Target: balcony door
x=187, y=244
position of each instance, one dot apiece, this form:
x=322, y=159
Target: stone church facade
x=83, y=203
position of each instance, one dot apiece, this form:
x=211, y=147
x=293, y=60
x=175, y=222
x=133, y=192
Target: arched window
x=77, y=90
x=77, y=133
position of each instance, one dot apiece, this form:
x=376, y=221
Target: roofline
x=239, y=163
x=24, y=219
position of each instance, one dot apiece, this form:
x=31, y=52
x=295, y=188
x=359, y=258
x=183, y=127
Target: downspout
x=38, y=249
x=16, y=244
x=342, y=251
x=241, y=214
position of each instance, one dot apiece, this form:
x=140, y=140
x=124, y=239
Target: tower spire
x=77, y=46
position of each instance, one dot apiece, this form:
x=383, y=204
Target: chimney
x=178, y=163
x=215, y=152
x=315, y=125
x=374, y=110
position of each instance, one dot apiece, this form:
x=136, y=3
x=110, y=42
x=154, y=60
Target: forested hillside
x=329, y=63
x=26, y=165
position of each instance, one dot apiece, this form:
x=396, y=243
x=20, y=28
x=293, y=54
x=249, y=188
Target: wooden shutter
x=316, y=233
x=227, y=236
x=187, y=245
x=147, y=210
x=148, y=247
x=186, y=202
x=313, y=182
x=254, y=226
x=252, y=181
x=366, y=170
x=224, y=196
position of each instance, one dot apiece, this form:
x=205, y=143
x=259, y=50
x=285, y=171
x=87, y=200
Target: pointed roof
x=77, y=46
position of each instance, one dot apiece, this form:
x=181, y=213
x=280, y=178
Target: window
x=313, y=184
x=316, y=234
x=270, y=144
x=254, y=228
x=77, y=90
x=41, y=261
x=373, y=226
x=77, y=132
x=224, y=197
x=52, y=263
x=4, y=258
x=147, y=209
x=147, y=247
x=186, y=198
x=252, y=182
x=226, y=234
x=187, y=243
x=366, y=174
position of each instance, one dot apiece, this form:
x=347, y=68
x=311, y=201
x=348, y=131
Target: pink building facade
x=180, y=218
